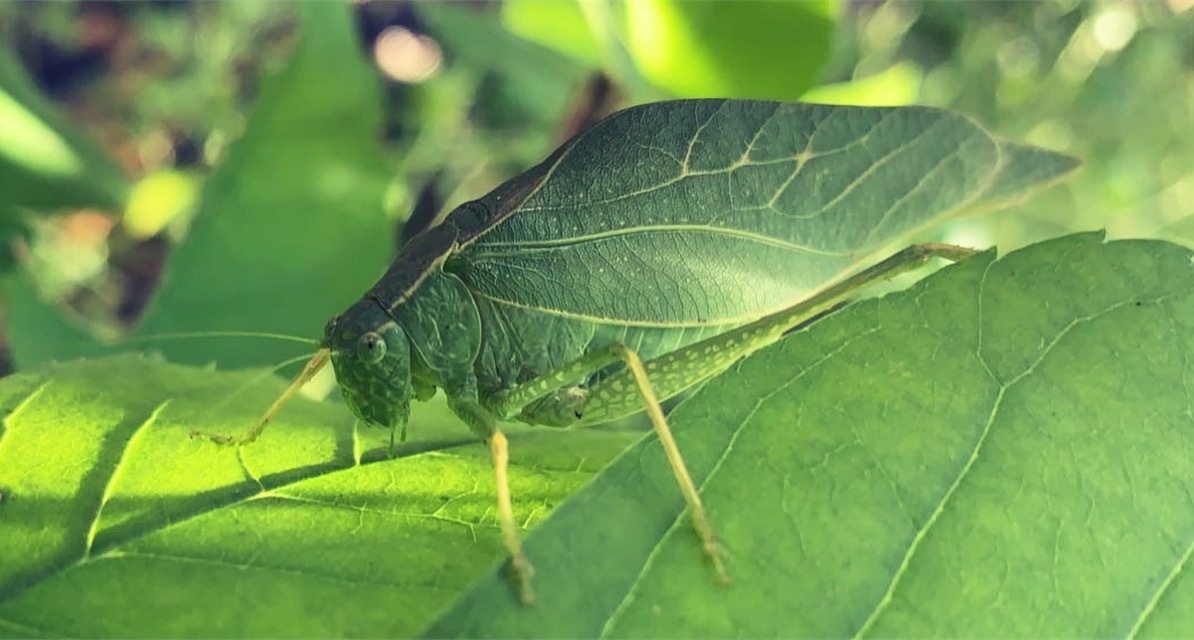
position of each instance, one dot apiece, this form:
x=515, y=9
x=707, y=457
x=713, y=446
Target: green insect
x=645, y=256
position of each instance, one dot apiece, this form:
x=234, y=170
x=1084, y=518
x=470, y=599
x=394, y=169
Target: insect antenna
x=190, y=335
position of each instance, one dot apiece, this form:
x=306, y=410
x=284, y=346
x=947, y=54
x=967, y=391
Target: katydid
x=643, y=257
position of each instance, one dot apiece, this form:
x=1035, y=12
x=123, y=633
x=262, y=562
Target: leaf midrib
x=232, y=496
x=513, y=250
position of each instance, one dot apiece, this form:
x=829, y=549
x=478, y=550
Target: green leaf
x=108, y=506
x=1005, y=449
x=45, y=163
x=759, y=202
x=556, y=24
x=897, y=85
x=291, y=223
x=520, y=83
x=697, y=49
x=38, y=330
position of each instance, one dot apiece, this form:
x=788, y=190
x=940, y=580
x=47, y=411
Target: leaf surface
x=1005, y=449
x=108, y=506
x=697, y=49
x=759, y=202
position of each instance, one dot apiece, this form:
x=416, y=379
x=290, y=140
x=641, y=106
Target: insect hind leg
x=549, y=400
x=700, y=519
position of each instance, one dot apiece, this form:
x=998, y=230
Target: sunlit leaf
x=109, y=506
x=697, y=49
x=1003, y=450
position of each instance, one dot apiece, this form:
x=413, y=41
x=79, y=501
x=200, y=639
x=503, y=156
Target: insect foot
x=519, y=565
x=521, y=573
x=312, y=367
x=224, y=439
x=716, y=553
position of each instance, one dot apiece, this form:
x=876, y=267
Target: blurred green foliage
x=46, y=163
x=1110, y=82
x=138, y=91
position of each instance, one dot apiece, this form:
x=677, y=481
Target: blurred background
x=185, y=166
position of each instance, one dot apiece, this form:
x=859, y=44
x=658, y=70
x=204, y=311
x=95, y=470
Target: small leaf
x=1005, y=449
x=556, y=24
x=45, y=164
x=157, y=200
x=897, y=85
x=116, y=524
x=697, y=49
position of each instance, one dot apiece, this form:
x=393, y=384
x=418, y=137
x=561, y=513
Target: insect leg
x=526, y=394
x=697, y=510
x=675, y=372
x=499, y=447
x=508, y=404
x=312, y=367
x=482, y=422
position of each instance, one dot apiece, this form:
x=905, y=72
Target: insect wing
x=699, y=212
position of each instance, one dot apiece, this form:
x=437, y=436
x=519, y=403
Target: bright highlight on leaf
x=133, y=523
x=27, y=141
x=46, y=164
x=158, y=199
x=895, y=86
x=696, y=49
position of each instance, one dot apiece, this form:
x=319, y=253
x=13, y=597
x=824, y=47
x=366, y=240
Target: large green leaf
x=37, y=329
x=1006, y=449
x=116, y=524
x=291, y=223
x=698, y=212
x=698, y=49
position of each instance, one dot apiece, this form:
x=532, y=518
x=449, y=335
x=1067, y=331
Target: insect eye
x=371, y=348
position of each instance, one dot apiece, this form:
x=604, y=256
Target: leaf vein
x=30, y=630
x=471, y=526
x=246, y=566
x=117, y=473
x=906, y=562
x=9, y=421
x=507, y=250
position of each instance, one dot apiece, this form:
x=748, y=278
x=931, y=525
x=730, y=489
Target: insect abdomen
x=520, y=344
